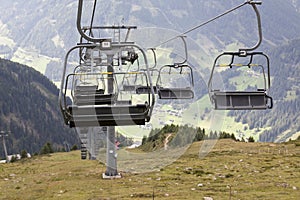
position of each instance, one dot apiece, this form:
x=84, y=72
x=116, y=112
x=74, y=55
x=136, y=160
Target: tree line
x=182, y=135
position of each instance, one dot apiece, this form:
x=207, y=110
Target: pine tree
x=251, y=139
x=23, y=154
x=46, y=149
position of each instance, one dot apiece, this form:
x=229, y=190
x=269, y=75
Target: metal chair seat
x=175, y=93
x=112, y=115
x=242, y=100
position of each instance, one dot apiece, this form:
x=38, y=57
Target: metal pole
x=111, y=162
x=111, y=158
x=3, y=135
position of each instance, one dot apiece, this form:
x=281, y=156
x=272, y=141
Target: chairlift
x=94, y=106
x=83, y=151
x=241, y=100
x=180, y=69
x=105, y=109
x=154, y=72
x=130, y=82
x=89, y=90
x=176, y=92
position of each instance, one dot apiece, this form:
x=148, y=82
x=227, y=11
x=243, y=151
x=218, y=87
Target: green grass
x=243, y=82
x=252, y=170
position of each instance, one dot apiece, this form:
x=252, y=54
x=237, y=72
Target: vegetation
x=284, y=116
x=29, y=109
x=24, y=154
x=74, y=147
x=232, y=169
x=46, y=149
x=179, y=136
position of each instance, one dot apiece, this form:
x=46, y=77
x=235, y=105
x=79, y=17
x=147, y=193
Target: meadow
x=231, y=170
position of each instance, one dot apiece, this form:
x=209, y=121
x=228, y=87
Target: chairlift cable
x=207, y=22
x=92, y=18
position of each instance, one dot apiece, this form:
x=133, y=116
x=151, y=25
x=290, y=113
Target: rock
x=295, y=188
x=188, y=169
x=200, y=185
x=208, y=198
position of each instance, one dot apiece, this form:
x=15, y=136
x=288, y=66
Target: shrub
x=251, y=139
x=23, y=154
x=46, y=149
x=74, y=147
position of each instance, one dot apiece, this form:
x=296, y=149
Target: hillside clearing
x=251, y=170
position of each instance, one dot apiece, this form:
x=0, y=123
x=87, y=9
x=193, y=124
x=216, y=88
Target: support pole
x=111, y=162
x=3, y=135
x=111, y=154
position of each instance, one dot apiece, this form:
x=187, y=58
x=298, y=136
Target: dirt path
x=167, y=141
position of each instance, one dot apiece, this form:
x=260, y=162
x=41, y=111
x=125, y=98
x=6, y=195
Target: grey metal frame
x=115, y=47
x=241, y=100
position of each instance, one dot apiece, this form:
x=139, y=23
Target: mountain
x=29, y=109
x=39, y=33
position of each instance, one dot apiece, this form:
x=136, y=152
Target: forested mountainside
x=284, y=118
x=29, y=109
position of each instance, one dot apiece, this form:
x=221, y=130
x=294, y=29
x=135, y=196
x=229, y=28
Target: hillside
x=285, y=89
x=29, y=109
x=232, y=170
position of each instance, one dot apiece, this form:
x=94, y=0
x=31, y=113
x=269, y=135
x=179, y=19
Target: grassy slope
x=253, y=170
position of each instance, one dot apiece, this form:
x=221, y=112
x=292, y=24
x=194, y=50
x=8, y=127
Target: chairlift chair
x=181, y=69
x=241, y=100
x=95, y=107
x=90, y=93
x=175, y=92
x=163, y=92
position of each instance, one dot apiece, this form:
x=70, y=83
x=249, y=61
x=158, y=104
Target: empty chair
x=114, y=115
x=180, y=77
x=175, y=93
x=251, y=99
x=236, y=100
